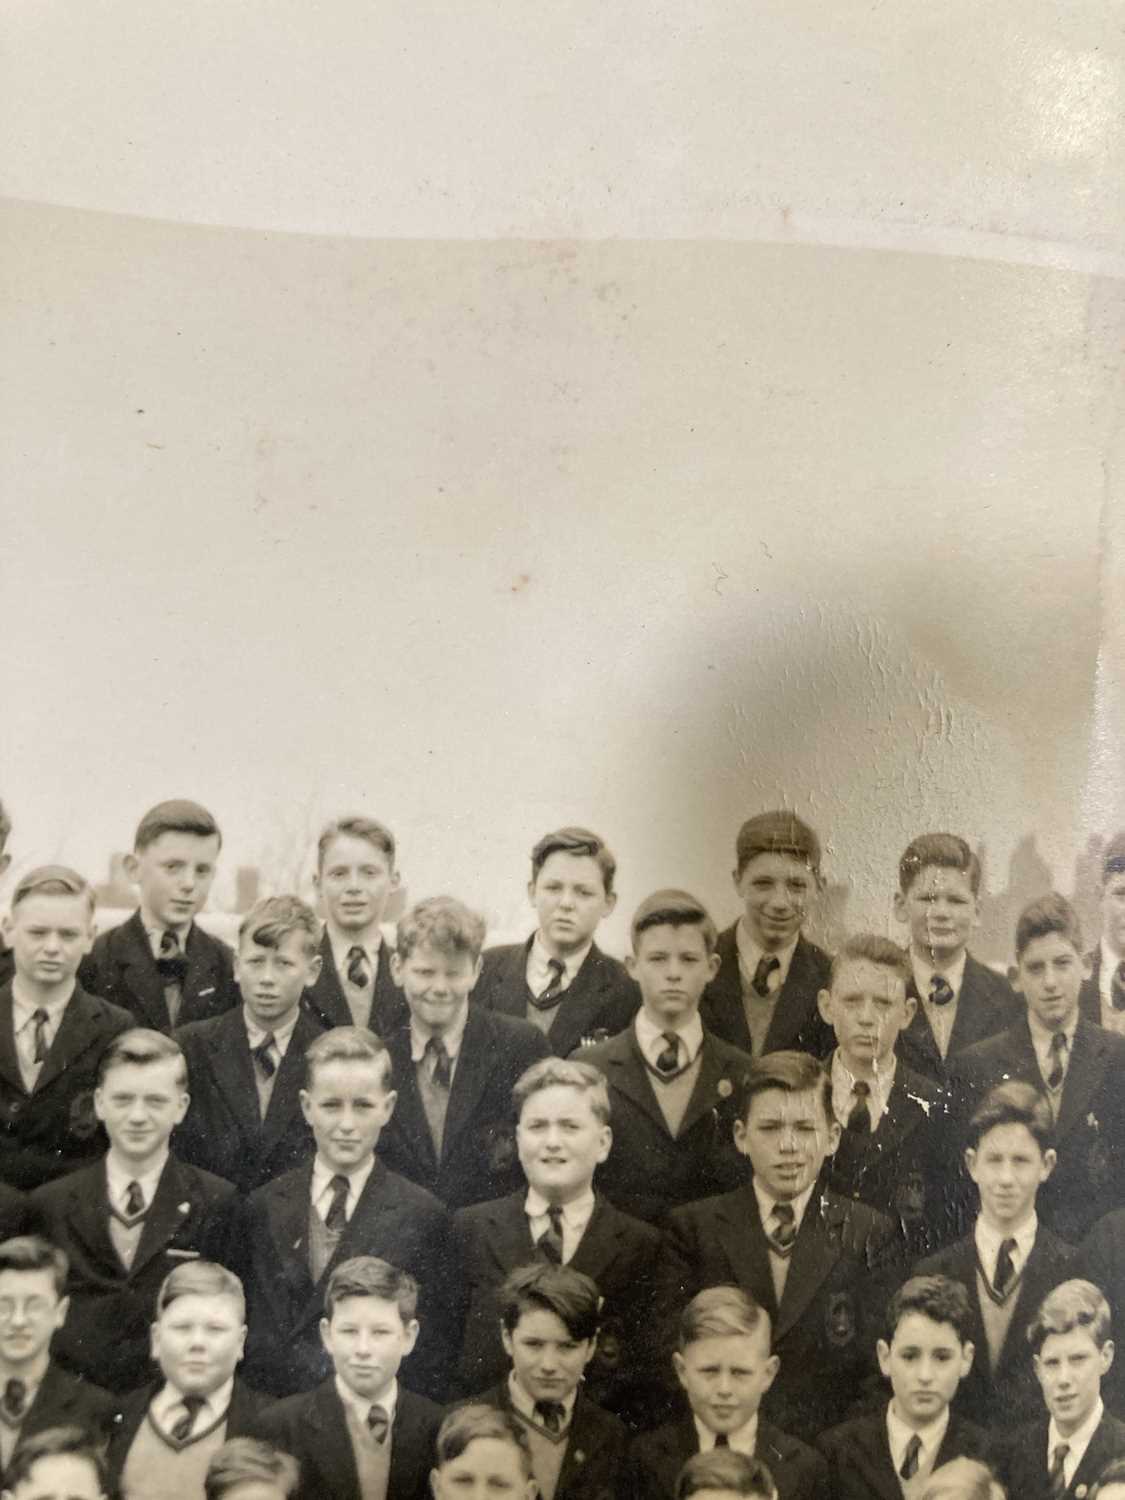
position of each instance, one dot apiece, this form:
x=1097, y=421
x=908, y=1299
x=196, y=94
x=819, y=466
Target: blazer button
x=15, y=1107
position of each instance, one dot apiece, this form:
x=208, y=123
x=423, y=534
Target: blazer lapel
x=409, y=1123
x=879, y=1469
x=576, y=1015
x=813, y=1257
x=474, y=1063
x=88, y=1219
x=705, y=1094
x=920, y=1034
x=721, y=1006
x=510, y=1242
x=141, y=975
x=170, y=1208
x=202, y=979
x=598, y=1246
x=579, y=1447
x=326, y=1000
x=791, y=1014
x=1083, y=1076
x=290, y=1202
x=327, y=1436
x=738, y=1228
x=233, y=1069
x=9, y=1058
x=630, y=1077
x=77, y=1031
x=285, y=1100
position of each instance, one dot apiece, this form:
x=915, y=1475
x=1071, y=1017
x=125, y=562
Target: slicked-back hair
x=869, y=947
x=29, y=1252
x=200, y=1278
x=270, y=921
x=1070, y=1305
x=1013, y=1103
x=56, y=1442
x=246, y=1460
x=941, y=851
x=443, y=924
x=777, y=832
x=939, y=1298
x=559, y=1072
x=377, y=834
x=348, y=1044
x=963, y=1479
x=721, y=1312
x=53, y=880
x=175, y=816
x=544, y=1287
x=1045, y=917
x=792, y=1073
x=465, y=1424
x=725, y=1469
x=368, y=1276
x=579, y=841
x=673, y=908
x=141, y=1046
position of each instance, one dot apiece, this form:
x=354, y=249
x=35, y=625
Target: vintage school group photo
x=354, y=1211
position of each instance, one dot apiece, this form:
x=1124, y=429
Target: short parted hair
x=140, y=1045
x=575, y=841
x=56, y=1442
x=720, y=1312
x=377, y=834
x=1043, y=918
x=53, y=880
x=939, y=1298
x=868, y=947
x=792, y=1072
x=246, y=1460
x=1013, y=1103
x=725, y=1469
x=1071, y=1305
x=942, y=851
x=558, y=1072
x=270, y=921
x=347, y=1044
x=176, y=816
x=777, y=832
x=368, y=1276
x=1113, y=855
x=5, y=825
x=544, y=1287
x=962, y=1479
x=443, y=924
x=1113, y=1473
x=200, y=1278
x=672, y=908
x=464, y=1424
x=28, y=1252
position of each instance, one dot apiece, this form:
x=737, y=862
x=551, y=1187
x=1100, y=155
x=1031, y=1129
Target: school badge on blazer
x=840, y=1320
x=910, y=1197
x=82, y=1121
x=501, y=1151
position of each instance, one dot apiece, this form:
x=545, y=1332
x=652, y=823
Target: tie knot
x=192, y=1406
x=861, y=1089
x=1058, y=1041
x=169, y=944
x=783, y=1213
x=941, y=991
x=668, y=1060
x=134, y=1200
x=551, y=1414
x=39, y=1015
x=378, y=1421
x=767, y=966
x=556, y=967
x=555, y=1215
x=15, y=1394
x=357, y=970
x=910, y=1458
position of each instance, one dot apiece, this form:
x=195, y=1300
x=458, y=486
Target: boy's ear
x=1014, y=978
x=323, y=1327
x=610, y=900
x=910, y=1007
x=970, y=1160
x=967, y=1352
x=899, y=906
x=477, y=967
x=315, y=965
x=434, y=1484
x=883, y=1355
x=396, y=969
x=506, y=1340
x=61, y=1311
x=678, y=1365
x=824, y=1006
x=1106, y=1352
x=713, y=962
x=412, y=1331
x=1050, y=1158
x=630, y=963
x=771, y=1367
x=1087, y=963
x=131, y=864
x=303, y=1096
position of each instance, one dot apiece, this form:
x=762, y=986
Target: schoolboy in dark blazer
x=51, y=1032
x=671, y=1083
x=160, y=965
x=1100, y=1258
x=559, y=979
x=128, y=1220
x=7, y=958
x=294, y=1231
x=1101, y=1000
x=763, y=996
x=246, y=1068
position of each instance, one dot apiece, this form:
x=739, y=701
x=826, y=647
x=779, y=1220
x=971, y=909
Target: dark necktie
x=40, y=1018
x=357, y=970
x=721, y=1440
x=134, y=1201
x=1056, y=1479
x=550, y=1242
x=549, y=996
x=910, y=1458
x=14, y=1399
x=668, y=1061
x=336, y=1219
x=171, y=962
x=1117, y=987
x=378, y=1423
x=1057, y=1070
x=182, y=1429
x=941, y=991
x=860, y=1118
x=785, y=1228
x=1005, y=1269
x=761, y=980
x=441, y=1068
x=551, y=1414
x=263, y=1057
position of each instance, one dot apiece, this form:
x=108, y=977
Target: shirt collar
x=577, y=1211
x=650, y=1036
x=322, y=1175
x=387, y=1398
x=168, y=1398
x=281, y=1034
x=571, y=962
x=843, y=1082
x=155, y=930
x=899, y=1434
x=525, y=1404
x=1078, y=1441
x=1041, y=1036
x=119, y=1175
x=989, y=1240
x=924, y=971
x=767, y=1203
x=340, y=942
x=751, y=952
x=23, y=1009
x=452, y=1038
x=743, y=1439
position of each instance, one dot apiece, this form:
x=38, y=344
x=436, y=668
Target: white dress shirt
x=282, y=1035
x=899, y=1435
x=525, y=1404
x=940, y=1017
x=1077, y=1442
x=751, y=953
x=387, y=1398
x=576, y=1215
x=1041, y=1041
x=119, y=1175
x=321, y=1192
x=843, y=1084
x=779, y=1264
x=168, y=1407
x=452, y=1039
x=989, y=1240
x=23, y=1024
x=650, y=1039
x=539, y=972
x=743, y=1439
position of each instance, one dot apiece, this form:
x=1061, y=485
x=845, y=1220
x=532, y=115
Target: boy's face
x=49, y=937
x=272, y=980
x=1008, y=1168
x=775, y=890
x=59, y=1476
x=436, y=985
x=547, y=1359
x=355, y=881
x=197, y=1342
x=672, y=967
x=1113, y=912
x=726, y=1377
x=940, y=909
x=30, y=1311
x=488, y=1469
x=924, y=1362
x=174, y=875
x=560, y=1142
x=140, y=1104
x=786, y=1138
x=570, y=899
x=1049, y=974
x=367, y=1341
x=1070, y=1367
x=347, y=1104
x=866, y=1007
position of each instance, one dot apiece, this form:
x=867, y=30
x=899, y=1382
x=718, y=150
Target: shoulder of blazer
x=616, y=1220
x=596, y=1424
x=116, y=944
x=856, y=1224
x=80, y=1185
x=390, y=1190
x=212, y=1189
x=202, y=941
x=812, y=956
x=497, y=962
x=101, y=1012
x=725, y=1053
x=849, y=1435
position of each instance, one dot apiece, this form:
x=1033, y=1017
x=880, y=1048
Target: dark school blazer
x=595, y=1448
x=7, y=963
x=840, y=1273
x=1089, y=1177
x=223, y=1131
x=243, y=1416
x=314, y=1429
x=106, y=1333
x=1101, y=1259
x=478, y=1158
x=796, y=1023
x=1011, y=1394
x=327, y=1004
x=64, y=1401
x=1022, y=1460
x=618, y=1252
x=599, y=1002
x=395, y=1220
x=121, y=968
x=53, y=1130
x=649, y=1170
x=860, y=1462
x=986, y=1005
x=1090, y=995
x=654, y=1462
x=13, y=1211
